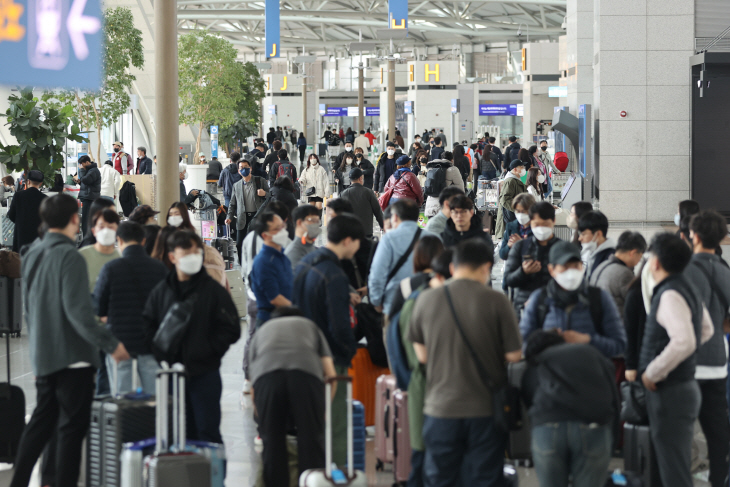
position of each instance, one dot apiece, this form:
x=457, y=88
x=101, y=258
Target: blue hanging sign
x=272, y=28
x=398, y=14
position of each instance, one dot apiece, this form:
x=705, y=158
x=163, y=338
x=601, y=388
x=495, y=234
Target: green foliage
x=122, y=50
x=214, y=88
x=41, y=130
x=248, y=113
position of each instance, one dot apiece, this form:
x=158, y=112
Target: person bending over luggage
x=573, y=410
x=212, y=327
x=321, y=291
x=580, y=313
x=676, y=326
x=290, y=358
x=527, y=265
x=463, y=443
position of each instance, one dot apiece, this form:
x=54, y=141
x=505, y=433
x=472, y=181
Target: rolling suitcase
x=328, y=476
x=402, y=438
x=172, y=465
x=519, y=442
x=11, y=306
x=385, y=386
x=359, y=435
x=364, y=375
x=12, y=414
x=639, y=456
x=116, y=420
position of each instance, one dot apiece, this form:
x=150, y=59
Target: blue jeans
x=470, y=449
x=227, y=200
x=415, y=479
x=147, y=368
x=571, y=449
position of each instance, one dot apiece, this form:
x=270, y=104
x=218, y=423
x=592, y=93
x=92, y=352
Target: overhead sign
x=347, y=111
x=272, y=109
x=213, y=141
x=322, y=109
x=398, y=14
x=454, y=105
x=495, y=110
x=557, y=91
x=408, y=107
x=51, y=43
x=272, y=28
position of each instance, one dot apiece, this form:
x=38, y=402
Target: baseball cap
x=516, y=163
x=35, y=176
x=563, y=252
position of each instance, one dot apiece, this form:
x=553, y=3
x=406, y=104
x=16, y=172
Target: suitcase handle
x=177, y=372
x=114, y=386
x=328, y=425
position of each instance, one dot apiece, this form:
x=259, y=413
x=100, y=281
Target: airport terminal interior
x=566, y=153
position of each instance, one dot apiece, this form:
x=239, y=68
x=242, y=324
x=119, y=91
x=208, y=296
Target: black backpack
x=596, y=306
x=435, y=179
x=128, y=197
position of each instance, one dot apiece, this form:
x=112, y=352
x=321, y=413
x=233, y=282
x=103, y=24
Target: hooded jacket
x=452, y=237
x=405, y=186
x=213, y=327
x=90, y=179
x=229, y=177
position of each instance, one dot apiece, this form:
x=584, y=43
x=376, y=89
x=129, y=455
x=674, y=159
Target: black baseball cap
x=35, y=176
x=563, y=252
x=516, y=163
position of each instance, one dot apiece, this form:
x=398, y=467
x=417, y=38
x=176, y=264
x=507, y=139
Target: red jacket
x=118, y=165
x=405, y=185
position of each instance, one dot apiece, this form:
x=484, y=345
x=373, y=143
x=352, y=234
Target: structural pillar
x=391, y=101
x=166, y=105
x=360, y=98
x=305, y=129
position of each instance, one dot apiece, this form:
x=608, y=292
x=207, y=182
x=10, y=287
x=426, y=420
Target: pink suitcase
x=385, y=387
x=402, y=438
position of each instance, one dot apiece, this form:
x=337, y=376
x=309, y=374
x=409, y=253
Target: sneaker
x=246, y=386
x=258, y=445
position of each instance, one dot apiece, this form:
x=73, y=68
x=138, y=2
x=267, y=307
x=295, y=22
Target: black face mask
x=116, y=149
x=543, y=148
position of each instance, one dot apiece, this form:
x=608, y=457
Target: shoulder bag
x=506, y=406
x=633, y=403
x=174, y=327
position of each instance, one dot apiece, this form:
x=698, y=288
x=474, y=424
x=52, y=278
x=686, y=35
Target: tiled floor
x=238, y=426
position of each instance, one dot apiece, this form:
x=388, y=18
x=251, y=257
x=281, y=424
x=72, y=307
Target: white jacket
x=315, y=176
x=110, y=181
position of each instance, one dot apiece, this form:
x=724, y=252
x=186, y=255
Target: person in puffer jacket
x=404, y=183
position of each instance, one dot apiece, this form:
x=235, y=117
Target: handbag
x=174, y=326
x=633, y=403
x=384, y=199
x=506, y=404
x=310, y=191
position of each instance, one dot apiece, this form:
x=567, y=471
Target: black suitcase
x=519, y=443
x=11, y=306
x=116, y=420
x=12, y=414
x=639, y=456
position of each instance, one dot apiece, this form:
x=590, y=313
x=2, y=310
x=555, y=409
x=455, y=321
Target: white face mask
x=541, y=179
x=174, y=220
x=106, y=237
x=313, y=230
x=523, y=171
x=391, y=152
x=677, y=219
x=186, y=175
x=571, y=279
x=571, y=222
x=348, y=149
x=589, y=247
x=191, y=263
x=281, y=238
x=522, y=218
x=313, y=162
x=542, y=233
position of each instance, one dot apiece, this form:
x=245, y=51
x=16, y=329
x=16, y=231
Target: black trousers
x=714, y=421
x=284, y=397
x=241, y=235
x=85, y=206
x=302, y=149
x=63, y=406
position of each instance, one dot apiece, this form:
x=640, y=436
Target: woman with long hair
x=178, y=218
x=524, y=156
x=535, y=178
x=462, y=162
x=315, y=183
x=342, y=174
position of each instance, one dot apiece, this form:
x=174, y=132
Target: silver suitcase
x=171, y=465
x=323, y=477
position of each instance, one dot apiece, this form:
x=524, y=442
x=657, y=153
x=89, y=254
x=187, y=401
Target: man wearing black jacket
x=144, y=163
x=464, y=223
x=365, y=166
x=213, y=326
x=511, y=151
x=24, y=211
x=385, y=168
x=272, y=157
x=120, y=294
x=89, y=178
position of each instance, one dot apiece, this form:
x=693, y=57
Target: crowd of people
x=317, y=276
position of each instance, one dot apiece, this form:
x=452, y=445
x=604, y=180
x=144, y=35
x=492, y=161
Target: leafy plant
x=41, y=130
x=212, y=84
x=247, y=114
x=122, y=50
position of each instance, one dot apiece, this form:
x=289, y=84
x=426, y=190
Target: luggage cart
x=206, y=224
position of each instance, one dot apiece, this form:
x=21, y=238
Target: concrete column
x=304, y=129
x=166, y=104
x=391, y=100
x=579, y=45
x=360, y=99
